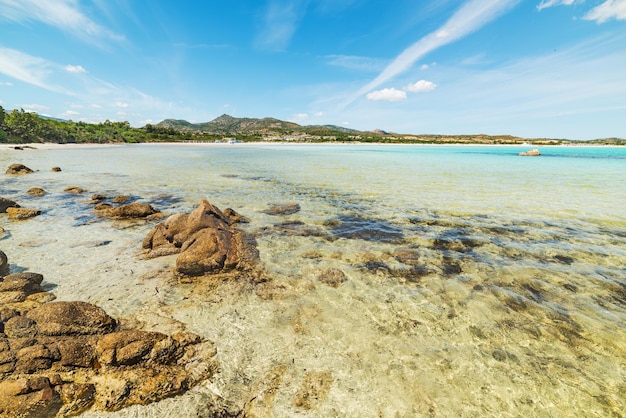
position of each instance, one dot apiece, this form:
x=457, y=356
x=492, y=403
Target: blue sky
x=534, y=68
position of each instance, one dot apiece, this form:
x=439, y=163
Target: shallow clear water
x=478, y=282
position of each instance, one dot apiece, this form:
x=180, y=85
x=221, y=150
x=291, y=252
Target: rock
x=332, y=277
x=29, y=397
x=531, y=153
x=234, y=217
x=102, y=207
x=314, y=389
x=22, y=213
x=36, y=192
x=74, y=190
x=7, y=203
x=121, y=199
x=56, y=169
x=71, y=318
x=18, y=169
x=4, y=264
x=126, y=348
x=132, y=210
x=20, y=327
x=283, y=209
x=206, y=240
x=98, y=197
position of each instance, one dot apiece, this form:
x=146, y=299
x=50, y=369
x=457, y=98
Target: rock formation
x=36, y=192
x=18, y=169
x=7, y=203
x=22, y=213
x=206, y=239
x=62, y=358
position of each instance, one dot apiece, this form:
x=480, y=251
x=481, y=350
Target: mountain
x=226, y=124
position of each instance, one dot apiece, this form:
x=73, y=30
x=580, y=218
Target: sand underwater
x=403, y=281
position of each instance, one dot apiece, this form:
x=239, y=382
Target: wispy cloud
x=29, y=69
x=473, y=15
x=6, y=83
x=280, y=23
x=356, y=63
x=62, y=14
x=610, y=9
x=421, y=86
x=551, y=3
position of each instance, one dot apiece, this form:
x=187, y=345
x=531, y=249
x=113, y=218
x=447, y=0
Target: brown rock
x=7, y=203
x=28, y=397
x=18, y=169
x=22, y=213
x=12, y=297
x=210, y=250
x=74, y=190
x=126, y=348
x=4, y=264
x=283, y=209
x=20, y=327
x=103, y=207
x=121, y=199
x=98, y=197
x=314, y=389
x=56, y=169
x=33, y=358
x=132, y=210
x=71, y=318
x=36, y=192
x=26, y=282
x=77, y=351
x=76, y=398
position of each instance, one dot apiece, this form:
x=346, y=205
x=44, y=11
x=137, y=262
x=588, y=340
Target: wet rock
x=283, y=209
x=564, y=259
x=332, y=277
x=98, y=197
x=120, y=199
x=235, y=217
x=206, y=240
x=132, y=210
x=7, y=203
x=22, y=213
x=74, y=190
x=4, y=264
x=56, y=169
x=103, y=207
x=36, y=192
x=18, y=169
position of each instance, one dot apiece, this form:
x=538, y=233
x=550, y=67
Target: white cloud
x=473, y=15
x=299, y=117
x=388, y=95
x=75, y=69
x=34, y=107
x=123, y=105
x=319, y=114
x=610, y=9
x=69, y=114
x=95, y=106
x=63, y=14
x=27, y=68
x=6, y=83
x=424, y=67
x=421, y=86
x=281, y=20
x=551, y=3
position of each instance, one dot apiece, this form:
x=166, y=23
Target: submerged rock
x=22, y=213
x=283, y=209
x=36, y=191
x=74, y=190
x=205, y=239
x=56, y=169
x=7, y=203
x=18, y=169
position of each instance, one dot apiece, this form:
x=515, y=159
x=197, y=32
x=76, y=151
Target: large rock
x=206, y=239
x=133, y=210
x=60, y=359
x=4, y=264
x=18, y=169
x=7, y=203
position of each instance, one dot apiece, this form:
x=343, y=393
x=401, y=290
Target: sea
x=406, y=281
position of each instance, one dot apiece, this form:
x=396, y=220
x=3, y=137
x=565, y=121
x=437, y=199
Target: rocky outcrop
x=131, y=211
x=22, y=213
x=56, y=169
x=206, y=239
x=74, y=190
x=531, y=153
x=59, y=359
x=7, y=203
x=36, y=192
x=18, y=169
x=4, y=264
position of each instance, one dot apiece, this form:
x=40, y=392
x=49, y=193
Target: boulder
x=71, y=318
x=74, y=190
x=56, y=169
x=22, y=213
x=18, y=169
x=120, y=199
x=7, y=203
x=132, y=210
x=206, y=240
x=283, y=209
x=36, y=192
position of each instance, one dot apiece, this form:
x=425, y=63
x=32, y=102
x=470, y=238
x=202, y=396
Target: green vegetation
x=20, y=127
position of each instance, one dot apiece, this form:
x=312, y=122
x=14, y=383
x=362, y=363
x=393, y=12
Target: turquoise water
x=477, y=282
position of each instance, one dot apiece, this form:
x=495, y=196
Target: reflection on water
x=411, y=281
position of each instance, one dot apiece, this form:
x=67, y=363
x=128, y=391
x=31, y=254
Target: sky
x=530, y=68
